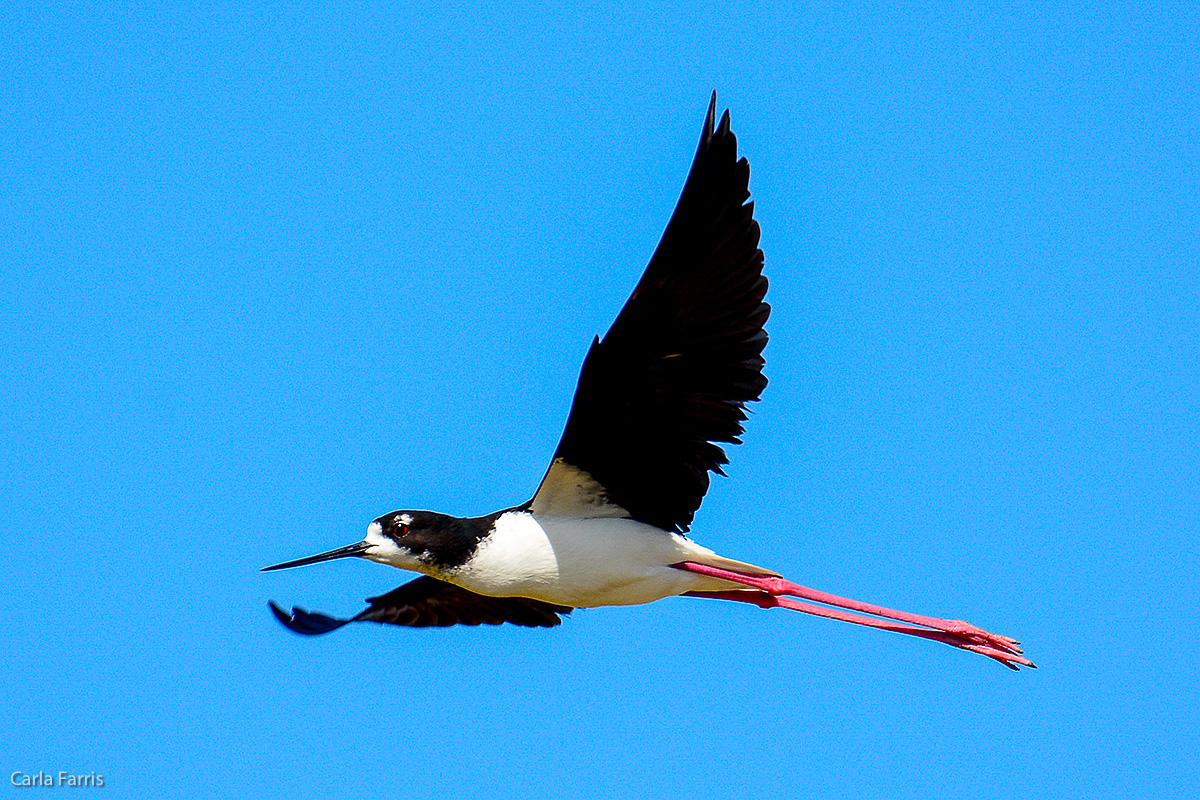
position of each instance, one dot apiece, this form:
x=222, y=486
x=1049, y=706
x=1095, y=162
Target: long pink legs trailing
x=777, y=592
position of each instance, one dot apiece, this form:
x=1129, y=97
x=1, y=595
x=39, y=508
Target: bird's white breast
x=582, y=562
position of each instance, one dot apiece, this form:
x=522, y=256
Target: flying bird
x=657, y=397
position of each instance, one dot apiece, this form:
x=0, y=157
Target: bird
x=658, y=398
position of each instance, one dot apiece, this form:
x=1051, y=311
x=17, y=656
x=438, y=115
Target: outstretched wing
x=428, y=602
x=674, y=372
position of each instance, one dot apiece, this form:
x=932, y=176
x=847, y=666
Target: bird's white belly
x=583, y=562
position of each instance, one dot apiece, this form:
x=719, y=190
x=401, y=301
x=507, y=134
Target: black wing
x=676, y=369
x=429, y=602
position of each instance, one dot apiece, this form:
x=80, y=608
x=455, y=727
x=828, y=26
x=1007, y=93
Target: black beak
x=356, y=549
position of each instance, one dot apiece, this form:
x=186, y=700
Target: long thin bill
x=356, y=549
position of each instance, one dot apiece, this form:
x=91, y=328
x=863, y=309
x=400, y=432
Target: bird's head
x=421, y=541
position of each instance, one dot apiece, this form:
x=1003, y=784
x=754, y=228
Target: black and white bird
x=606, y=527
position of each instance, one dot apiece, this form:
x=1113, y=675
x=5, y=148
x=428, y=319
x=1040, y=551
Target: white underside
x=588, y=562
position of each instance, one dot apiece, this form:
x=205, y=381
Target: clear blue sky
x=267, y=272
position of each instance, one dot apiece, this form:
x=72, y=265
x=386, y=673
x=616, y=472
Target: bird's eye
x=401, y=529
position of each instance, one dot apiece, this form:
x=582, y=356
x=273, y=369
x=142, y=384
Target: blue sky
x=267, y=272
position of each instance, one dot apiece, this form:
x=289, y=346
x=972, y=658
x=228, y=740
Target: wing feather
x=428, y=602
x=674, y=373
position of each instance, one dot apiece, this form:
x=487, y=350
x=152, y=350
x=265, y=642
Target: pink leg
x=958, y=634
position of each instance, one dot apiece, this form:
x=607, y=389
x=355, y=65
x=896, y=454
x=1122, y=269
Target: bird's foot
x=966, y=630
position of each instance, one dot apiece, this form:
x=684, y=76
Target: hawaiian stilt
x=669, y=380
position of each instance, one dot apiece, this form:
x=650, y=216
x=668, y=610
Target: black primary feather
x=428, y=602
x=674, y=373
